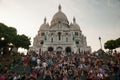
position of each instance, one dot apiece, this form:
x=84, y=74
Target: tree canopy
x=112, y=44
x=118, y=42
x=22, y=41
x=12, y=39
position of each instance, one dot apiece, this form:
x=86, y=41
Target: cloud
x=0, y=2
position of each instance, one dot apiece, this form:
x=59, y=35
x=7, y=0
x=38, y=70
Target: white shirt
x=44, y=64
x=14, y=78
x=100, y=75
x=38, y=61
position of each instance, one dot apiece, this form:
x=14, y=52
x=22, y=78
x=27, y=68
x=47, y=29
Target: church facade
x=59, y=36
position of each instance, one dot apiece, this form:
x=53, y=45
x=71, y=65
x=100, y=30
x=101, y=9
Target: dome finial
x=59, y=7
x=45, y=20
x=74, y=20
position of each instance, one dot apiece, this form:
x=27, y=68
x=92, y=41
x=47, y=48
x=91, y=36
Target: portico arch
x=59, y=49
x=68, y=49
x=50, y=49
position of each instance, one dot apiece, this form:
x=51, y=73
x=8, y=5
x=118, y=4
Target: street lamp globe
x=2, y=38
x=99, y=38
x=100, y=42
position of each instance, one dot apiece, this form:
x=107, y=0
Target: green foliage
x=112, y=44
x=22, y=41
x=6, y=34
x=11, y=37
x=118, y=42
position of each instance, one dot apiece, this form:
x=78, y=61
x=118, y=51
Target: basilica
x=60, y=35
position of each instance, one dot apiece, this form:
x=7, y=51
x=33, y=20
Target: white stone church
x=60, y=36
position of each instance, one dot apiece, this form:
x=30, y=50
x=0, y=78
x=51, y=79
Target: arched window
x=42, y=34
x=66, y=33
x=42, y=42
x=59, y=22
x=59, y=35
x=66, y=39
x=76, y=33
x=77, y=42
x=51, y=39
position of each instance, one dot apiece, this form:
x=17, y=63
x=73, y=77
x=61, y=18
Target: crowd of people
x=63, y=66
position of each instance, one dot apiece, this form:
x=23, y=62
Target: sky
x=95, y=17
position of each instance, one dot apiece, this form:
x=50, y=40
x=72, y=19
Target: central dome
x=59, y=17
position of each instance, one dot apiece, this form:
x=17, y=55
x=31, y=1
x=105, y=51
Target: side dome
x=44, y=26
x=74, y=25
x=59, y=17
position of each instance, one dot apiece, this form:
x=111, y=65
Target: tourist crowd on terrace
x=63, y=66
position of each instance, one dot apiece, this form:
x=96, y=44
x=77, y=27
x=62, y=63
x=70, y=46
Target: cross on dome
x=74, y=19
x=59, y=7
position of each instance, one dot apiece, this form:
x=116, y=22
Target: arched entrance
x=50, y=49
x=59, y=50
x=68, y=50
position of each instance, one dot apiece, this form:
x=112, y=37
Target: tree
x=22, y=41
x=8, y=34
x=12, y=39
x=118, y=42
x=110, y=44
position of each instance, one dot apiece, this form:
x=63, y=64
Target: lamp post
x=100, y=42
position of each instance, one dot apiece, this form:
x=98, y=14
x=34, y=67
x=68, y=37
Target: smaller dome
x=74, y=25
x=45, y=25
